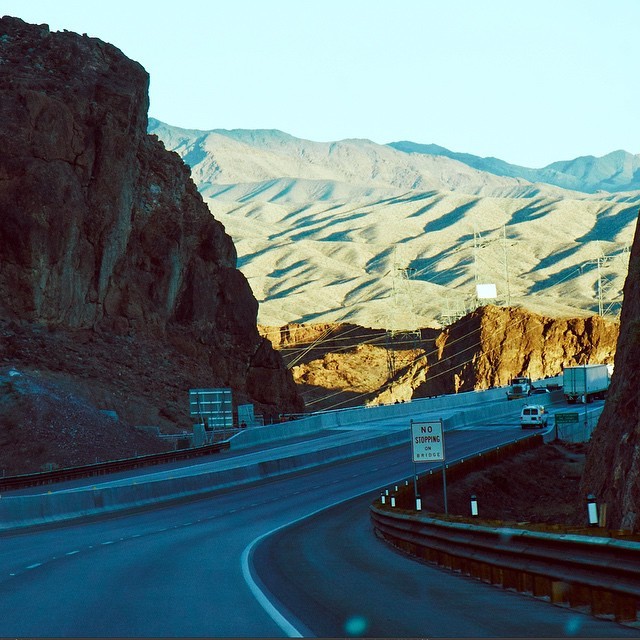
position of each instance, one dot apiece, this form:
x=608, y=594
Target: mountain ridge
x=321, y=230
x=584, y=173
x=614, y=172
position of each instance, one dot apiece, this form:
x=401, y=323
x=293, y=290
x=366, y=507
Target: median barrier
x=23, y=511
x=317, y=422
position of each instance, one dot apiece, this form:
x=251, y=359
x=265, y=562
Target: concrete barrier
x=24, y=511
x=370, y=415
x=460, y=410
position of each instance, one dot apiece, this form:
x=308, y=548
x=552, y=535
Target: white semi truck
x=520, y=387
x=585, y=383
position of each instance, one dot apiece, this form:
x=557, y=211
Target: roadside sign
x=212, y=407
x=566, y=418
x=427, y=441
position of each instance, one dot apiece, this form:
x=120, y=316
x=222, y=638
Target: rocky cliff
x=103, y=236
x=491, y=345
x=343, y=365
x=612, y=470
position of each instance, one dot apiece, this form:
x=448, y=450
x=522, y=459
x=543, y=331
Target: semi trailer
x=585, y=383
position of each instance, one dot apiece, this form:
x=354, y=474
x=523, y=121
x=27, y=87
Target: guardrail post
x=541, y=586
x=525, y=582
x=625, y=607
x=497, y=575
x=559, y=591
x=579, y=595
x=510, y=579
x=602, y=602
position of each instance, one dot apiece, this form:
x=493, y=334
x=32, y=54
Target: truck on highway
x=585, y=383
x=520, y=387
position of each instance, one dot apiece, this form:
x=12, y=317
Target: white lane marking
x=108, y=542
x=33, y=566
x=289, y=630
x=261, y=596
x=72, y=553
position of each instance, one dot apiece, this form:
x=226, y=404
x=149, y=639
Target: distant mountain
x=238, y=164
x=615, y=172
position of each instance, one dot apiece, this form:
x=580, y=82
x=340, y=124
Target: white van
x=534, y=415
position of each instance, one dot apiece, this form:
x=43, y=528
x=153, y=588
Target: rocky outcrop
x=492, y=344
x=612, y=470
x=338, y=365
x=102, y=229
x=343, y=365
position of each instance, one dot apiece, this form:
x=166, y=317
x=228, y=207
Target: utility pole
x=401, y=301
x=506, y=264
x=603, y=285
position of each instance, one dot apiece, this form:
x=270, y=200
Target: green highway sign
x=567, y=418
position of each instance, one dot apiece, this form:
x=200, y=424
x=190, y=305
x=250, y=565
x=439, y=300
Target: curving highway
x=290, y=556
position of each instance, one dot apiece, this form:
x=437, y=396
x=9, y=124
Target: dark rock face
x=101, y=228
x=612, y=470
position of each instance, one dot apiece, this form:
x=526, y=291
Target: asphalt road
x=189, y=570
x=334, y=576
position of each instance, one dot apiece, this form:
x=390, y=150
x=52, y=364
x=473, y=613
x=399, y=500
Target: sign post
x=427, y=445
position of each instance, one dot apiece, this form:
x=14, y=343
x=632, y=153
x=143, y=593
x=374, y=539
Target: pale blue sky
x=529, y=82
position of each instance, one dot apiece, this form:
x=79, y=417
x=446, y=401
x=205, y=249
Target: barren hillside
x=366, y=234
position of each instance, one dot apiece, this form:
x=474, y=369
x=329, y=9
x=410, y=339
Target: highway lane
x=178, y=571
x=330, y=572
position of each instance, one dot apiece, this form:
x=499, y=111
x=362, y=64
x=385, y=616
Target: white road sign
x=427, y=441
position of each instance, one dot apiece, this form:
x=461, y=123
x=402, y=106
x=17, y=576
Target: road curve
x=334, y=576
x=178, y=571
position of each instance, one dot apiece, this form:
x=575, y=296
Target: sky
x=528, y=81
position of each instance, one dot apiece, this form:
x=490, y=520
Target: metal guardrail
x=103, y=468
x=602, y=574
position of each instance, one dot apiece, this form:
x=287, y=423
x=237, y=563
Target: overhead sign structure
x=427, y=441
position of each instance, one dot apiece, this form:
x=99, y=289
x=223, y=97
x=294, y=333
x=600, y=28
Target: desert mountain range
x=398, y=236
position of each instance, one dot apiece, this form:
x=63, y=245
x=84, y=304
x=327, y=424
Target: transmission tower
x=455, y=309
x=401, y=300
x=604, y=284
x=479, y=243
